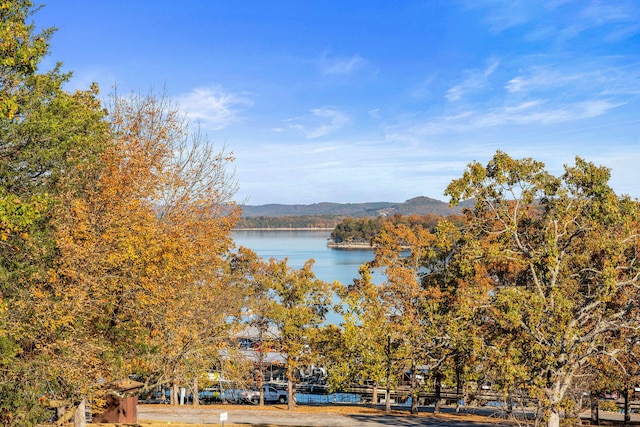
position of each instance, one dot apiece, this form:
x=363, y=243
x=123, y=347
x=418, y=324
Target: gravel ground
x=334, y=416
x=277, y=415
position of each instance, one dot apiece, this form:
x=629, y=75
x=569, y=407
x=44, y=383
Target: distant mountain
x=416, y=206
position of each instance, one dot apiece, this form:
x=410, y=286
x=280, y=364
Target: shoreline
x=285, y=229
x=350, y=246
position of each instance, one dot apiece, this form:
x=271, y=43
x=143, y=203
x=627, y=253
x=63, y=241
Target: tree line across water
x=289, y=222
x=117, y=261
x=364, y=230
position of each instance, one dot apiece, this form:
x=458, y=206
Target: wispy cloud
x=615, y=21
x=423, y=89
x=539, y=112
x=564, y=20
x=214, y=108
x=578, y=80
x=473, y=80
x=375, y=113
x=502, y=15
x=321, y=122
x=341, y=65
x=538, y=78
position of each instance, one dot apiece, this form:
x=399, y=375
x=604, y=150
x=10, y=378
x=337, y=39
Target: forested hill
x=328, y=215
x=417, y=205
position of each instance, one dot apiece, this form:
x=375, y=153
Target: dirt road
x=278, y=415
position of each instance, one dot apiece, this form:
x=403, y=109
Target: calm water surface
x=300, y=245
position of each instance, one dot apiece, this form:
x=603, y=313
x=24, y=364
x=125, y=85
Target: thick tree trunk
x=554, y=418
x=595, y=412
x=174, y=394
x=196, y=392
x=260, y=381
x=291, y=401
x=438, y=403
x=627, y=415
x=222, y=394
x=387, y=400
x=414, y=392
x=374, y=394
x=556, y=391
x=80, y=415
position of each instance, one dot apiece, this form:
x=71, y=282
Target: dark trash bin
x=121, y=409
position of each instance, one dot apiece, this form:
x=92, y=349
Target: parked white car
x=271, y=395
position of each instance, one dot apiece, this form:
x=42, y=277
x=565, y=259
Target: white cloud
x=423, y=89
x=530, y=113
x=577, y=80
x=322, y=121
x=543, y=77
x=214, y=108
x=375, y=113
x=600, y=12
x=564, y=19
x=341, y=65
x=617, y=19
x=537, y=113
x=504, y=14
x=473, y=81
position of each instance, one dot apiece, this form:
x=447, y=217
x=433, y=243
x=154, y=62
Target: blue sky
x=359, y=101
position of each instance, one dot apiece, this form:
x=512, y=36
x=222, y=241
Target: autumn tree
x=290, y=302
x=398, y=254
x=456, y=331
x=360, y=354
x=136, y=282
x=46, y=134
x=142, y=250
x=303, y=302
x=561, y=256
x=114, y=229
x=426, y=290
x=615, y=373
x=258, y=284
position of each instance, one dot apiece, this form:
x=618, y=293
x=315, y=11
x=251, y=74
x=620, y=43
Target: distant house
x=248, y=342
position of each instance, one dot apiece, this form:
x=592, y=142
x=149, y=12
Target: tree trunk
x=414, y=403
x=196, y=392
x=262, y=329
x=458, y=388
x=222, y=394
x=627, y=415
x=387, y=400
x=374, y=394
x=438, y=403
x=595, y=413
x=414, y=392
x=260, y=381
x=291, y=401
x=174, y=394
x=80, y=415
x=554, y=418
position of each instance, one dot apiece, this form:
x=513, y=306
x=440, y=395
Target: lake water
x=300, y=245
